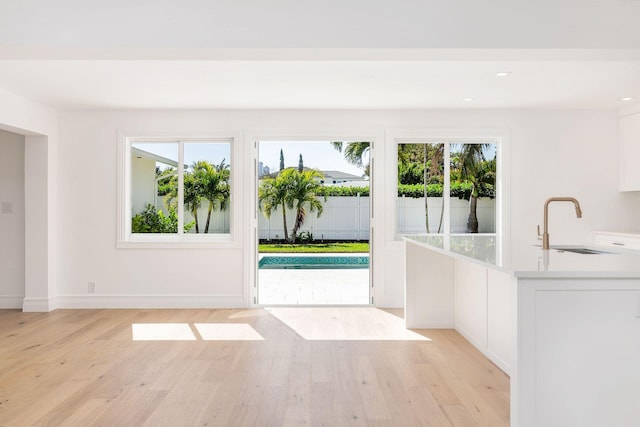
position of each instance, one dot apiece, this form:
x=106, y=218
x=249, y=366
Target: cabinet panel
x=617, y=240
x=471, y=302
x=501, y=311
x=587, y=352
x=429, y=296
x=630, y=152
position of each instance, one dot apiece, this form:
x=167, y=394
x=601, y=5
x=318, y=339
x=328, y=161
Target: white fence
x=347, y=218
x=411, y=218
x=343, y=218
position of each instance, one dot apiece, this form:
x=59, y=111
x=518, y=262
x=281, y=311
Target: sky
x=213, y=152
x=315, y=154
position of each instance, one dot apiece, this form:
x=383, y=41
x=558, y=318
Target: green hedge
x=459, y=190
x=343, y=191
x=153, y=221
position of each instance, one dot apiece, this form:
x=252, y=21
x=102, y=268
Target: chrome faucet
x=545, y=234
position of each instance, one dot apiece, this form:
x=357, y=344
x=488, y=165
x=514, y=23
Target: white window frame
x=127, y=239
x=500, y=137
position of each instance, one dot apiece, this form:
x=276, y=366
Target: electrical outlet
x=91, y=288
x=6, y=207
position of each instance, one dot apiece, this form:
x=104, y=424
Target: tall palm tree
x=304, y=192
x=192, y=196
x=475, y=169
x=214, y=185
x=225, y=187
x=431, y=156
x=273, y=192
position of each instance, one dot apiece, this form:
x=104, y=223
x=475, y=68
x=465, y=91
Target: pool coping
x=317, y=254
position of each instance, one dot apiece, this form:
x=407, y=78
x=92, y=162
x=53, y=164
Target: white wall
x=40, y=126
x=11, y=223
x=551, y=153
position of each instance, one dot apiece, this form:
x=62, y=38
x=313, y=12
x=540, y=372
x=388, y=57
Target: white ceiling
x=318, y=84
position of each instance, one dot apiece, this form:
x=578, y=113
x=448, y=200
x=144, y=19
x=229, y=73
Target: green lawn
x=315, y=248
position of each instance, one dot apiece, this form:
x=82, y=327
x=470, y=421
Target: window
x=465, y=170
x=175, y=190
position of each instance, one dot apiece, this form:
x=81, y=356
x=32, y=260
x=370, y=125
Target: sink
x=581, y=250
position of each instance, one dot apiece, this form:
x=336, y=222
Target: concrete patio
x=313, y=286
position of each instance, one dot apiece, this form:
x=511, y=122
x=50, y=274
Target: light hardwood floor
x=271, y=367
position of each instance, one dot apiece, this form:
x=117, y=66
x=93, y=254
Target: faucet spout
x=545, y=234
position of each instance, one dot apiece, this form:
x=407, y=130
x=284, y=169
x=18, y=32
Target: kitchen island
x=564, y=326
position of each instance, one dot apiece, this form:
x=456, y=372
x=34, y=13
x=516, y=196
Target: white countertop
x=530, y=260
x=619, y=233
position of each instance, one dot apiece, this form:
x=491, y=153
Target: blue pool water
x=313, y=262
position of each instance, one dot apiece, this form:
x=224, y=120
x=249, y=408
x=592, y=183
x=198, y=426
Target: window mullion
x=446, y=191
x=180, y=187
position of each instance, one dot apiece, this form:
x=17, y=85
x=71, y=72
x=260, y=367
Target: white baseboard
x=39, y=305
x=11, y=301
x=151, y=301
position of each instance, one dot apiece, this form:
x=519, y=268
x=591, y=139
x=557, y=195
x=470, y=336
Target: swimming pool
x=314, y=262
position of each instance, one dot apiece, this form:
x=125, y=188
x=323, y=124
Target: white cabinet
x=586, y=359
x=428, y=288
x=471, y=302
x=501, y=315
x=618, y=240
x=630, y=152
x=485, y=311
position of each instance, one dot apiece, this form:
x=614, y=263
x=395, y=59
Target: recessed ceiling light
x=468, y=99
x=503, y=73
x=627, y=98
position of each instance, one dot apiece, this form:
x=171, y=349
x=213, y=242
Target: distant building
x=336, y=178
x=263, y=170
x=359, y=183
x=143, y=174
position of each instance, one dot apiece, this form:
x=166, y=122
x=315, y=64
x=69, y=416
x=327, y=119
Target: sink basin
x=581, y=250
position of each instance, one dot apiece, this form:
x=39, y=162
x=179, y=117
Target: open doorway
x=313, y=222
x=12, y=219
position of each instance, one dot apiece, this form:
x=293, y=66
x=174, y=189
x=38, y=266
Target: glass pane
x=473, y=179
x=419, y=163
x=154, y=187
x=207, y=187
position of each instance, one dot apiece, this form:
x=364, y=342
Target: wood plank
x=320, y=366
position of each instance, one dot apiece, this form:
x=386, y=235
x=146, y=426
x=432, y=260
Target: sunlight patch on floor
x=227, y=332
x=193, y=332
x=345, y=323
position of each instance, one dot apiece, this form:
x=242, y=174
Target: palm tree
x=192, y=196
x=213, y=184
x=354, y=152
x=225, y=187
x=431, y=156
x=273, y=192
x=475, y=169
x=304, y=192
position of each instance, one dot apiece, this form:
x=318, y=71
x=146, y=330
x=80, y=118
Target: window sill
x=179, y=242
